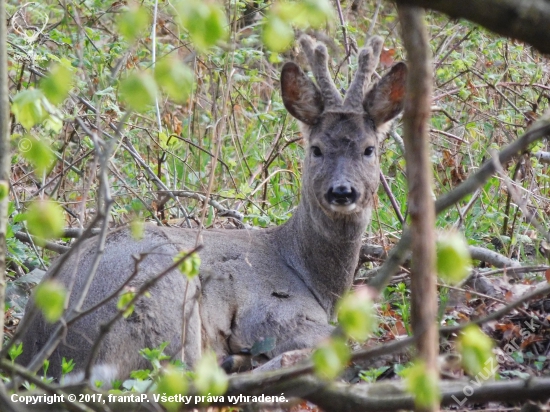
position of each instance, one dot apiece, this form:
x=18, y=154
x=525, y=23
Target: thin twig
x=217, y=145
x=105, y=328
x=344, y=34
x=393, y=201
x=222, y=211
x=530, y=216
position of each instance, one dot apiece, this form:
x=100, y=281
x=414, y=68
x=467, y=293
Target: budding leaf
x=133, y=23
x=190, y=267
x=476, y=349
x=305, y=13
x=49, y=297
x=138, y=91
x=210, y=379
x=330, y=358
x=137, y=228
x=356, y=315
x=4, y=189
x=422, y=384
x=45, y=220
x=277, y=34
x=175, y=78
x=453, y=258
x=57, y=84
x=124, y=300
x=38, y=153
x=28, y=109
x=171, y=383
x=205, y=22
x=318, y=12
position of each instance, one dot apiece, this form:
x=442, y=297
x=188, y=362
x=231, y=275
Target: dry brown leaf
x=386, y=57
x=530, y=340
x=305, y=407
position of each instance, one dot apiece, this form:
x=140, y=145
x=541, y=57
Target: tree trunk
x=419, y=176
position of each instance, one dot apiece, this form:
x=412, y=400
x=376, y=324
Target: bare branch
x=222, y=211
x=54, y=247
x=393, y=396
x=520, y=20
x=544, y=157
x=5, y=157
x=491, y=257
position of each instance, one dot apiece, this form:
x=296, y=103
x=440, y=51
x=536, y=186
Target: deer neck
x=323, y=250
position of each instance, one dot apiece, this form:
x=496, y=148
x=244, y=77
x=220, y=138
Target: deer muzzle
x=342, y=198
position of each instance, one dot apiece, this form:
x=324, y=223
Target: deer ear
x=385, y=100
x=302, y=98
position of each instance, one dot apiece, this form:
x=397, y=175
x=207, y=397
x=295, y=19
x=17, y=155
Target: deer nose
x=342, y=195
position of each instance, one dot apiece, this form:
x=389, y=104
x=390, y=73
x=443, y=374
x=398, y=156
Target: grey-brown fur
x=281, y=282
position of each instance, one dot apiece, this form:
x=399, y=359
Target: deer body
x=280, y=283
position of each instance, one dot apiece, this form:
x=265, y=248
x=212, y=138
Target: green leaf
x=263, y=346
x=423, y=385
x=38, y=153
x=372, y=375
x=171, y=383
x=210, y=379
x=277, y=35
x=124, y=300
x=57, y=84
x=45, y=220
x=175, y=78
x=141, y=374
x=67, y=366
x=205, y=22
x=134, y=22
x=305, y=13
x=155, y=355
x=45, y=367
x=4, y=189
x=28, y=109
x=356, y=315
x=137, y=228
x=453, y=258
x=190, y=267
x=318, y=12
x=476, y=349
x=54, y=121
x=138, y=91
x=330, y=358
x=49, y=297
x=15, y=351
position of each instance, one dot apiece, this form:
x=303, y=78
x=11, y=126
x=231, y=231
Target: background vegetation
x=209, y=123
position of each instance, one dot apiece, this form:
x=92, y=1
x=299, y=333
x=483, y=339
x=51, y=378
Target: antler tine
x=318, y=60
x=368, y=60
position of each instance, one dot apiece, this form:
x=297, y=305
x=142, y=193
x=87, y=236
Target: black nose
x=342, y=195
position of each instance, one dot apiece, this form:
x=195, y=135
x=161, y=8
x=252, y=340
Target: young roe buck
x=281, y=282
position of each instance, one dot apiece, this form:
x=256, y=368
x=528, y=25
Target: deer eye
x=316, y=151
x=369, y=151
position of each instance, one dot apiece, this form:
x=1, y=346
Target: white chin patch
x=343, y=209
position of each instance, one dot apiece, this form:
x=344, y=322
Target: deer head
x=341, y=170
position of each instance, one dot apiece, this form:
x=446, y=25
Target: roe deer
x=281, y=282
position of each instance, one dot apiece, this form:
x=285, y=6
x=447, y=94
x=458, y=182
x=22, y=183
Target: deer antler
x=368, y=60
x=318, y=60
